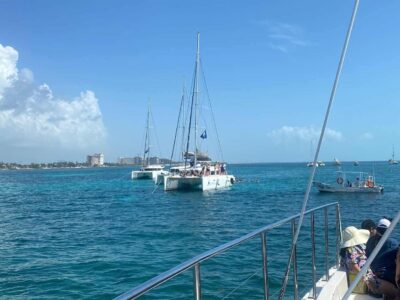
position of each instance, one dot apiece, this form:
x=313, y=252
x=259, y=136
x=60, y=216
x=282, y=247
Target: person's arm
x=355, y=268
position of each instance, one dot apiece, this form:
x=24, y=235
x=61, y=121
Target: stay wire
x=240, y=285
x=212, y=112
x=311, y=178
x=155, y=132
x=177, y=128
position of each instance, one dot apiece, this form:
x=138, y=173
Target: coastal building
x=137, y=160
x=95, y=160
x=165, y=161
x=126, y=160
x=154, y=160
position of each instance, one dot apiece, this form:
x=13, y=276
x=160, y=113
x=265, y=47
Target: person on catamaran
x=389, y=244
x=222, y=168
x=353, y=257
x=379, y=284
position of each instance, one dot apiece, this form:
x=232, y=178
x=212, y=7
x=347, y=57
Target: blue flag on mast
x=204, y=134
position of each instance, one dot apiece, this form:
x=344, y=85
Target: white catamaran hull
x=202, y=183
x=159, y=179
x=327, y=188
x=145, y=174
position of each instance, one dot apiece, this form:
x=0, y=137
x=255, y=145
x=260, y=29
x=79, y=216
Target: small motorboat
x=363, y=183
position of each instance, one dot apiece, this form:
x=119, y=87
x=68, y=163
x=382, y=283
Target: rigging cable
x=212, y=112
x=310, y=180
x=177, y=128
x=155, y=132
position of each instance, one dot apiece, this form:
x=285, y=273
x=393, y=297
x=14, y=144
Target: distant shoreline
x=71, y=165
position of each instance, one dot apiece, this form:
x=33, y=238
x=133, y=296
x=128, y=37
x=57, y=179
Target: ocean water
x=94, y=233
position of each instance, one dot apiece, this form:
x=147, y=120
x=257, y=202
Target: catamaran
x=147, y=171
x=199, y=171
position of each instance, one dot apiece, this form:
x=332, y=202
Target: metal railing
x=262, y=233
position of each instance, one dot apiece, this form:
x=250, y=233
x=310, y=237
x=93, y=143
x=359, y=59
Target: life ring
x=370, y=184
x=339, y=180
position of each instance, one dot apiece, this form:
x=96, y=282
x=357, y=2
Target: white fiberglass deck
x=335, y=288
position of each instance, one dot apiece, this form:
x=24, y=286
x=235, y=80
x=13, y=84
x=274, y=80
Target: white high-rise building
x=95, y=160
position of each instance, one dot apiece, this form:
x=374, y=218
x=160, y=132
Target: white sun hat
x=353, y=236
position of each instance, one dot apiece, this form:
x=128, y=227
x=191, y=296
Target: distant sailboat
x=392, y=161
x=356, y=163
x=311, y=163
x=147, y=171
x=336, y=162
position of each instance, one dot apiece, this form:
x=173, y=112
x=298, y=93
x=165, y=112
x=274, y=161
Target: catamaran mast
x=196, y=82
x=393, y=152
x=194, y=104
x=182, y=149
x=146, y=140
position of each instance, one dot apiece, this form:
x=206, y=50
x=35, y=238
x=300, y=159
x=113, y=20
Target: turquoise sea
x=94, y=233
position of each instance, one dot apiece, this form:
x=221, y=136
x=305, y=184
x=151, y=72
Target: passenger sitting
x=389, y=244
x=370, y=226
x=387, y=268
x=381, y=284
x=353, y=257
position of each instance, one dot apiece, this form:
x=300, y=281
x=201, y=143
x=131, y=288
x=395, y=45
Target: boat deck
x=335, y=288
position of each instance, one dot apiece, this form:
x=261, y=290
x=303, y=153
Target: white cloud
x=32, y=117
x=8, y=67
x=367, y=136
x=287, y=134
x=284, y=37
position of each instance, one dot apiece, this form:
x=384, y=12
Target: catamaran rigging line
x=311, y=178
x=212, y=112
x=181, y=108
x=194, y=103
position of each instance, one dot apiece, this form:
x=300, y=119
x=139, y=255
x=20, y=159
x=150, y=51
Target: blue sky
x=76, y=76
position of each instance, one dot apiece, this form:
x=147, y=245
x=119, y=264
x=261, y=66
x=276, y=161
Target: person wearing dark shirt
x=389, y=244
x=383, y=266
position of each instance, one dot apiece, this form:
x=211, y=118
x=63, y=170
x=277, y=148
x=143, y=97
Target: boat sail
x=199, y=171
x=392, y=161
x=147, y=171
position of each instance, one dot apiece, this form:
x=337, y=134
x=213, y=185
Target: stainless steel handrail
x=195, y=261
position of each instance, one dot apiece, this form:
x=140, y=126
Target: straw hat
x=353, y=236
